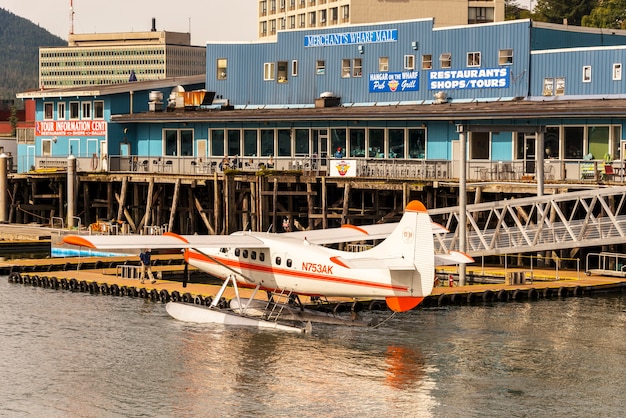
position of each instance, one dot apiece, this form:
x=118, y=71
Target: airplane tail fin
x=409, y=253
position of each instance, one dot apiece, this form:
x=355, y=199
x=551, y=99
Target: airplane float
x=401, y=269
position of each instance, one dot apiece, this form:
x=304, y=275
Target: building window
x=505, y=56
x=48, y=111
x=178, y=142
x=74, y=110
x=283, y=23
x=383, y=64
x=268, y=71
x=283, y=68
x=320, y=67
x=345, y=68
x=273, y=27
x=479, y=145
x=322, y=16
x=292, y=22
x=357, y=67
x=312, y=16
x=473, y=59
x=61, y=110
x=479, y=15
x=294, y=68
x=617, y=71
x=217, y=142
x=222, y=68
x=587, y=74
x=263, y=28
x=86, y=110
x=98, y=109
x=46, y=147
x=427, y=62
x=263, y=7
x=409, y=62
x=445, y=60
x=548, y=86
x=334, y=15
x=345, y=13
x=559, y=86
x=302, y=20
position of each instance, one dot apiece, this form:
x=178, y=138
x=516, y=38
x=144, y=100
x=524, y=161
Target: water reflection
x=75, y=354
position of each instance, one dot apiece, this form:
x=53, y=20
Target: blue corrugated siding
x=245, y=84
x=569, y=64
x=547, y=38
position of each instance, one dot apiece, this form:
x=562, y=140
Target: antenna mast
x=71, y=17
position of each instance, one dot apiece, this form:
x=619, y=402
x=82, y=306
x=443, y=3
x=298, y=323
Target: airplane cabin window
x=262, y=256
x=237, y=252
x=245, y=253
x=289, y=262
x=253, y=255
x=278, y=261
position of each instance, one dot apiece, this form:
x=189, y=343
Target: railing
x=476, y=171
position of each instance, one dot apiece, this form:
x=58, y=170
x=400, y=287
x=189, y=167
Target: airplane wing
x=453, y=257
x=165, y=241
x=350, y=233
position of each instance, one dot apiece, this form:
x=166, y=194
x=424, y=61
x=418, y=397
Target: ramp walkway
x=571, y=220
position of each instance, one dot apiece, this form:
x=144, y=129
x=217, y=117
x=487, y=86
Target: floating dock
x=115, y=276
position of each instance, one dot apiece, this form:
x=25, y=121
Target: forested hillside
x=20, y=40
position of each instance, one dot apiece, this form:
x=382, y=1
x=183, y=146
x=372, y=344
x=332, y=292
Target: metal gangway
x=559, y=221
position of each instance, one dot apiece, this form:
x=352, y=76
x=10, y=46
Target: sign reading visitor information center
x=478, y=78
x=351, y=38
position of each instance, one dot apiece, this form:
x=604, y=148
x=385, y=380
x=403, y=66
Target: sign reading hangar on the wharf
x=392, y=82
x=351, y=38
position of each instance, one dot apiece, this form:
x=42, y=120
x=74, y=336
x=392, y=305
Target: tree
x=607, y=14
x=556, y=11
x=13, y=121
x=513, y=11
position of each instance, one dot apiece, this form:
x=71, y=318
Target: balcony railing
x=391, y=168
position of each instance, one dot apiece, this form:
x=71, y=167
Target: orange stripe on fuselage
x=258, y=268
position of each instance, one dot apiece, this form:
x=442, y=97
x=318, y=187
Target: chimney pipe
x=153, y=24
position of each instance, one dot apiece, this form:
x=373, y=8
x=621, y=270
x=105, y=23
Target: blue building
x=388, y=98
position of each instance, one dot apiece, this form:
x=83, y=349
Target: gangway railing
x=571, y=220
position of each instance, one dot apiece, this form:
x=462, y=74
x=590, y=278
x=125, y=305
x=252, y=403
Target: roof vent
x=328, y=99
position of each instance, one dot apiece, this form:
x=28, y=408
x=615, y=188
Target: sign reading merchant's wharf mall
x=351, y=38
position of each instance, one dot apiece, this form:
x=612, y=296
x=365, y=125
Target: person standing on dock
x=146, y=269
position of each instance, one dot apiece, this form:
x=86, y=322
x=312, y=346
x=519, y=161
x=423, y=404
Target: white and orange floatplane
x=401, y=269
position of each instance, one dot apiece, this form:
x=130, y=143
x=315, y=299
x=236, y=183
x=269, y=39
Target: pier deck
x=101, y=275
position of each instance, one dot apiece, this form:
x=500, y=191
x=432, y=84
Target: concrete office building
x=111, y=58
x=275, y=15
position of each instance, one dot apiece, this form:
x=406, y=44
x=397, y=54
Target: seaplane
x=400, y=269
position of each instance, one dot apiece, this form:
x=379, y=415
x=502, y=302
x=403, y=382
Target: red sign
x=71, y=128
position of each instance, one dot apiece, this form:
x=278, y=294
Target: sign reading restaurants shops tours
x=71, y=128
x=475, y=78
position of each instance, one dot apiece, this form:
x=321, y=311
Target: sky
x=207, y=20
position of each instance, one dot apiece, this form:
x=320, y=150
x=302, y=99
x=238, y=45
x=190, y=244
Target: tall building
x=275, y=15
x=111, y=58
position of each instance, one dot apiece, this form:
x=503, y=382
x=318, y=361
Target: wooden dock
x=103, y=276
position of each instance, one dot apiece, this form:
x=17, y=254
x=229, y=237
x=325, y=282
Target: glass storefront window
x=302, y=141
x=357, y=142
x=217, y=142
x=417, y=143
x=376, y=147
x=479, y=145
x=250, y=142
x=284, y=142
x=338, y=142
x=573, y=142
x=234, y=142
x=396, y=143
x=267, y=142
